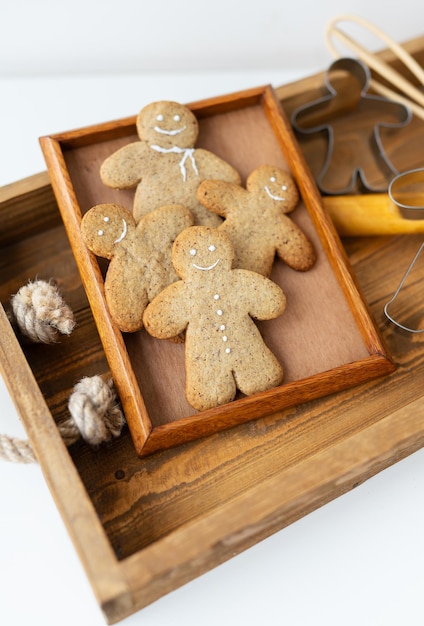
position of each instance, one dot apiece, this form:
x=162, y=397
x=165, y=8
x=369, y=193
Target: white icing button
x=100, y=233
x=216, y=296
x=106, y=219
x=219, y=312
x=225, y=338
x=227, y=350
x=222, y=327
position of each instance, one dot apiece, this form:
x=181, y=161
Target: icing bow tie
x=188, y=153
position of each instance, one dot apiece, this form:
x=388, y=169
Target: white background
x=358, y=560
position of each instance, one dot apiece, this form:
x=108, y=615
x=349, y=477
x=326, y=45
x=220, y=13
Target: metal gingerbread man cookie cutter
x=331, y=108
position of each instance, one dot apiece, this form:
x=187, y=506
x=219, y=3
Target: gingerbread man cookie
x=140, y=256
x=164, y=166
x=214, y=304
x=256, y=220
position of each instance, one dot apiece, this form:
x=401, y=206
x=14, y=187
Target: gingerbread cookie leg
x=206, y=389
x=126, y=298
x=258, y=371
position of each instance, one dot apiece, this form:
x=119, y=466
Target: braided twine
x=41, y=315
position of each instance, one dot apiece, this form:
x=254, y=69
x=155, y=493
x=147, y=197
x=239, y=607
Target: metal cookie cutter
x=354, y=156
x=406, y=191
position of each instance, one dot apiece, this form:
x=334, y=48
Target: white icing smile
x=274, y=197
x=206, y=269
x=124, y=232
x=172, y=133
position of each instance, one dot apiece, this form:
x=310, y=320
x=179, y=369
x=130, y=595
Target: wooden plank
x=62, y=477
x=277, y=502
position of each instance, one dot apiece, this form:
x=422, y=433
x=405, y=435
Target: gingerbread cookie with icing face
x=164, y=166
x=256, y=219
x=214, y=304
x=140, y=256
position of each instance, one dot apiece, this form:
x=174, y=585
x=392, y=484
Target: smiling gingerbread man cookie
x=256, y=220
x=140, y=256
x=214, y=304
x=164, y=166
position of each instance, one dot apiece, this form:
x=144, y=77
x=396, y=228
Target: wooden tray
x=326, y=339
x=145, y=526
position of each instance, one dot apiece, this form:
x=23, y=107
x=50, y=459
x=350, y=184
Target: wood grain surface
x=144, y=526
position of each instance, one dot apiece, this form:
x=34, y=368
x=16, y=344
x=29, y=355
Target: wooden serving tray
x=326, y=340
x=145, y=526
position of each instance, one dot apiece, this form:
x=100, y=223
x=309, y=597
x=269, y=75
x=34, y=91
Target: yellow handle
x=369, y=214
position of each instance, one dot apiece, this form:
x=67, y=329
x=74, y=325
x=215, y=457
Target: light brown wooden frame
x=147, y=435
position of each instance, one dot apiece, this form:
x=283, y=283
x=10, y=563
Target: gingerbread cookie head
x=167, y=124
x=271, y=185
x=202, y=251
x=105, y=226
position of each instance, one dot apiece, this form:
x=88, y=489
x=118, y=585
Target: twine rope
x=16, y=450
x=41, y=314
x=94, y=416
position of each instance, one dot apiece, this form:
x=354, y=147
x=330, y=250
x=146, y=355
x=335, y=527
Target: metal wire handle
x=409, y=95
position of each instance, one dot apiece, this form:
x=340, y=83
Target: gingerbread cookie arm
x=219, y=196
x=264, y=299
x=168, y=222
x=293, y=247
x=211, y=166
x=167, y=316
x=123, y=169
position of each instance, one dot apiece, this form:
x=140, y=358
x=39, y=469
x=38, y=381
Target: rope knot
x=95, y=411
x=41, y=313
